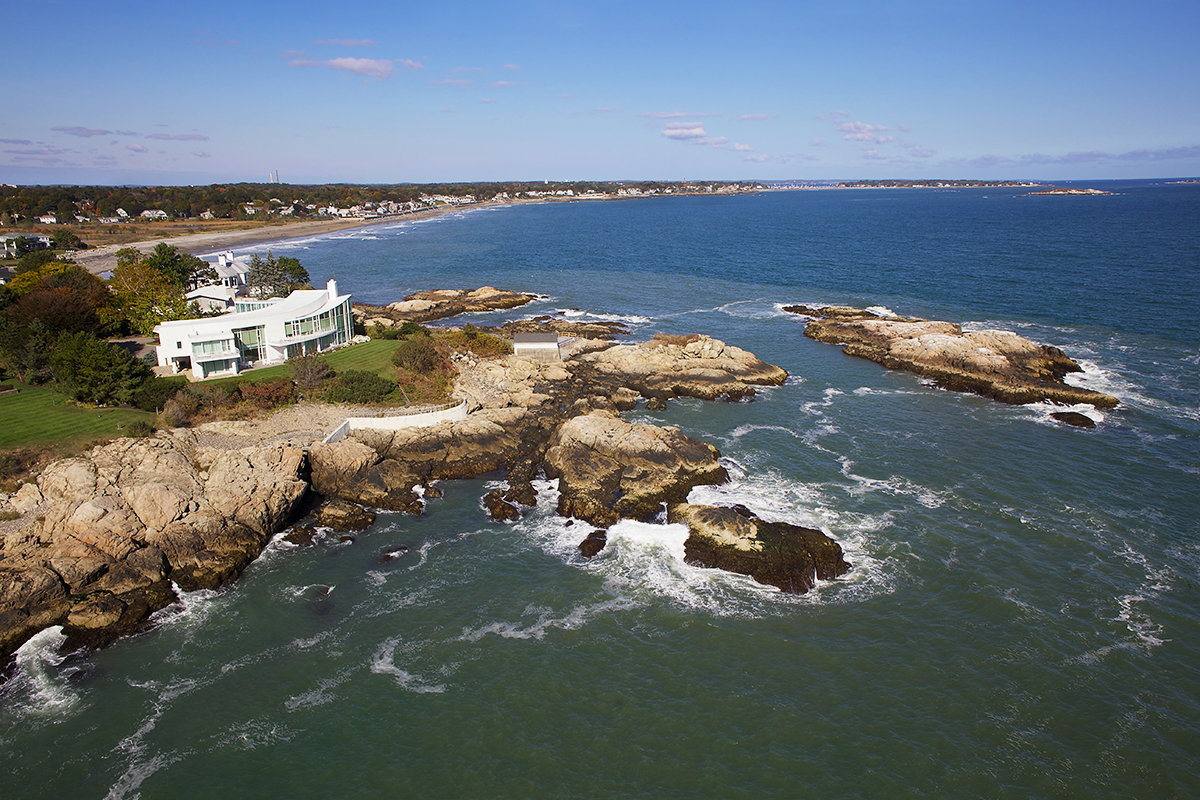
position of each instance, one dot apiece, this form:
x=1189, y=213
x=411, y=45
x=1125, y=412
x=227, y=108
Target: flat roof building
x=259, y=331
x=537, y=346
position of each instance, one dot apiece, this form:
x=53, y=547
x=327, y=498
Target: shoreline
x=103, y=259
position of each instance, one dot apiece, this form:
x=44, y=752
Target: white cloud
x=202, y=154
x=506, y=84
x=743, y=148
x=76, y=130
x=904, y=129
x=453, y=82
x=408, y=63
x=833, y=116
x=862, y=132
x=684, y=131
x=665, y=114
x=511, y=67
x=379, y=68
x=755, y=117
x=136, y=148
x=920, y=152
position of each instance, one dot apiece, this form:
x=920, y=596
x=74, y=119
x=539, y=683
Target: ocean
x=1022, y=616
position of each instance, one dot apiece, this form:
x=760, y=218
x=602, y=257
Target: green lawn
x=373, y=356
x=39, y=416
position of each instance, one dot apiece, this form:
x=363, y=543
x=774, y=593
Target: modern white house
x=258, y=331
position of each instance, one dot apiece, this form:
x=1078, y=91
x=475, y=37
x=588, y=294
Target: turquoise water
x=1020, y=620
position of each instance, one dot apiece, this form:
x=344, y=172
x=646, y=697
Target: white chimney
x=331, y=287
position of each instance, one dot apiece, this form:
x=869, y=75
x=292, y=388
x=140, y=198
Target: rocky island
x=106, y=538
x=996, y=364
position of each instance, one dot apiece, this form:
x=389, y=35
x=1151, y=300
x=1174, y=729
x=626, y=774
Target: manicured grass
x=373, y=356
x=39, y=416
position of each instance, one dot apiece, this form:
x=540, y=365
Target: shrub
x=356, y=386
x=213, y=395
x=138, y=429
x=154, y=392
x=418, y=355
x=174, y=413
x=410, y=328
x=269, y=394
x=309, y=372
x=476, y=341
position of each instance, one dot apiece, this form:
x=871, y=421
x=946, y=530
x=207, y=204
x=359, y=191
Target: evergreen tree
x=91, y=370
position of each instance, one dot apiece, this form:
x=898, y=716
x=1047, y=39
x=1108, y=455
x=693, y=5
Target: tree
x=272, y=277
x=146, y=297
x=25, y=350
x=63, y=295
x=91, y=370
x=66, y=240
x=183, y=269
x=295, y=273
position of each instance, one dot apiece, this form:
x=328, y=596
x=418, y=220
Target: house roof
x=536, y=338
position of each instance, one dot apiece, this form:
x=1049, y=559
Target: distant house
x=48, y=219
x=9, y=242
x=153, y=213
x=259, y=331
x=231, y=282
x=537, y=346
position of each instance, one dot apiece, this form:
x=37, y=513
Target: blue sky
x=167, y=93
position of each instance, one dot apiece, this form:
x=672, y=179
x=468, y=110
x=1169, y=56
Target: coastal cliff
x=118, y=527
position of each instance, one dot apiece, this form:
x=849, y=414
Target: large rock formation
x=996, y=364
x=440, y=304
x=776, y=553
x=609, y=469
x=123, y=522
x=677, y=366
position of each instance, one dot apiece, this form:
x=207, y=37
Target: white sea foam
x=895, y=485
x=383, y=662
x=760, y=308
x=255, y=733
x=34, y=689
x=138, y=772
x=589, y=316
x=537, y=620
x=816, y=407
x=882, y=311
x=319, y=696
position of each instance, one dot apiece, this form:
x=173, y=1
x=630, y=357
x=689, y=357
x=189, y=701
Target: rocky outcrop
x=677, y=366
x=776, y=553
x=996, y=364
x=350, y=470
x=440, y=304
x=564, y=327
x=609, y=469
x=125, y=521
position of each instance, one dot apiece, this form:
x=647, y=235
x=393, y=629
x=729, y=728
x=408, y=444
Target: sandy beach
x=103, y=259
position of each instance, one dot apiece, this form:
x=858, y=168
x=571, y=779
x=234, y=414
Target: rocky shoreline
x=110, y=536
x=996, y=364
